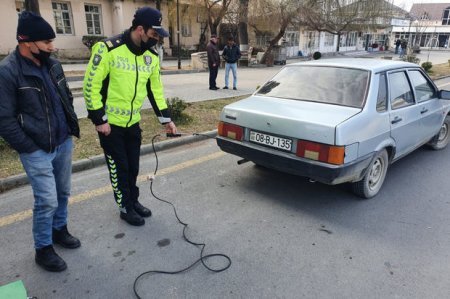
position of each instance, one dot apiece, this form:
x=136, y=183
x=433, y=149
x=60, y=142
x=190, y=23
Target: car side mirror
x=444, y=94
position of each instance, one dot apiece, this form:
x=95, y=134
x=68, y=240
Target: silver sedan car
x=338, y=120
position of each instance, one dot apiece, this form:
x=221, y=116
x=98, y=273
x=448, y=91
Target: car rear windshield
x=324, y=84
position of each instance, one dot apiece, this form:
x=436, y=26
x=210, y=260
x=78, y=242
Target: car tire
x=371, y=184
x=441, y=140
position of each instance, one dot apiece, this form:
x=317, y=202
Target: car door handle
x=424, y=111
x=396, y=120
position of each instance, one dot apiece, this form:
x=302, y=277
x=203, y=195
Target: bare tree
x=216, y=10
x=339, y=16
x=279, y=14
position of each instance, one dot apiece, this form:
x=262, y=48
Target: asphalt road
x=287, y=238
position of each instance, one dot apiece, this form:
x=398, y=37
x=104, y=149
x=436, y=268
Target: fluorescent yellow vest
x=117, y=81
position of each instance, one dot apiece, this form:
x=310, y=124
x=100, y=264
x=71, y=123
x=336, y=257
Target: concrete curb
x=99, y=160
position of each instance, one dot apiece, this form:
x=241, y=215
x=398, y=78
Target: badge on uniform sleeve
x=148, y=60
x=97, y=59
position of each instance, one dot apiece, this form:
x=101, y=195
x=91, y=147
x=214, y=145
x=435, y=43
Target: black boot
x=141, y=210
x=65, y=239
x=47, y=258
x=132, y=217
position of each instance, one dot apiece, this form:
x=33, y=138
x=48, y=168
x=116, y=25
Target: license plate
x=269, y=140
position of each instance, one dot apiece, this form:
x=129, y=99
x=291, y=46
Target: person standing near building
x=231, y=54
x=122, y=72
x=397, y=45
x=213, y=61
x=404, y=46
x=37, y=119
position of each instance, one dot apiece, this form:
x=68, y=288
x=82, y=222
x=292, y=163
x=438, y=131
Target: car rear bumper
x=286, y=162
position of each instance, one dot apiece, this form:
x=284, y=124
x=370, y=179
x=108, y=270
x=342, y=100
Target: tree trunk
x=275, y=40
x=242, y=27
x=338, y=41
x=33, y=6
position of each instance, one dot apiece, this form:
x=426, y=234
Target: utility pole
x=33, y=6
x=178, y=35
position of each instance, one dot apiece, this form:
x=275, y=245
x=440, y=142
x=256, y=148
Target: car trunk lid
x=291, y=118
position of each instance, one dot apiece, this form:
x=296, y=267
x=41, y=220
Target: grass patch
x=204, y=117
x=439, y=70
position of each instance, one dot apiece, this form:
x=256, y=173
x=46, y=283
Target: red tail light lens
x=230, y=131
x=321, y=152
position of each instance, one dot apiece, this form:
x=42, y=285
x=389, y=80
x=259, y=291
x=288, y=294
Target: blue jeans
x=233, y=67
x=49, y=175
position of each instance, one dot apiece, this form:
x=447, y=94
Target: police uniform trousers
x=122, y=150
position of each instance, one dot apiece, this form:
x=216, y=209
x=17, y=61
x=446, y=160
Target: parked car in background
x=338, y=120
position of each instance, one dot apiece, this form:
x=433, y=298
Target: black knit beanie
x=33, y=28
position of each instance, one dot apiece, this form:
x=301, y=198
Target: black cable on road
x=202, y=258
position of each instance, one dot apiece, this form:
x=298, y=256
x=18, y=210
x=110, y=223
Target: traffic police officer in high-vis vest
x=122, y=71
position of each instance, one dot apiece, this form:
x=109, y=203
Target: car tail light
x=230, y=131
x=321, y=152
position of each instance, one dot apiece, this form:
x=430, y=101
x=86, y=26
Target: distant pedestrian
x=37, y=119
x=231, y=54
x=397, y=45
x=213, y=61
x=404, y=46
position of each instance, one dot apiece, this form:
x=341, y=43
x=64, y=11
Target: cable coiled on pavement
x=202, y=258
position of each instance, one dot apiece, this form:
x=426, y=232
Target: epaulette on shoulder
x=114, y=42
x=154, y=51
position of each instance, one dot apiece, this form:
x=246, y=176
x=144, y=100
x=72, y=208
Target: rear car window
x=333, y=85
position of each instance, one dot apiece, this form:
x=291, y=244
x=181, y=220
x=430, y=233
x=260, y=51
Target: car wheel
x=441, y=140
x=373, y=180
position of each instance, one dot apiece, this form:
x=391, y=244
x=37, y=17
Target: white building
x=428, y=26
x=71, y=20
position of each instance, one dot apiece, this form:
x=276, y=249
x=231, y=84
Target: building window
x=186, y=28
x=63, y=17
x=93, y=19
x=446, y=16
x=262, y=39
x=329, y=39
x=348, y=39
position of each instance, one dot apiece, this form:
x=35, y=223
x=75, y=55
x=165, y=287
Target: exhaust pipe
x=242, y=161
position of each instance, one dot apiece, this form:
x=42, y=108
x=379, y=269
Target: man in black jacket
x=37, y=119
x=213, y=61
x=231, y=54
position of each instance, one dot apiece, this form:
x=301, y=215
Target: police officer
x=122, y=71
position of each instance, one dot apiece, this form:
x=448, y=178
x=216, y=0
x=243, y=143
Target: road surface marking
x=23, y=215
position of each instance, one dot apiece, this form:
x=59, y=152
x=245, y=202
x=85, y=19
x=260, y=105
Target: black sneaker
x=65, y=239
x=234, y=88
x=226, y=87
x=132, y=217
x=47, y=258
x=141, y=210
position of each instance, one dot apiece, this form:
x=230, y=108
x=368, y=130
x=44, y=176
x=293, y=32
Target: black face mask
x=42, y=56
x=149, y=44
